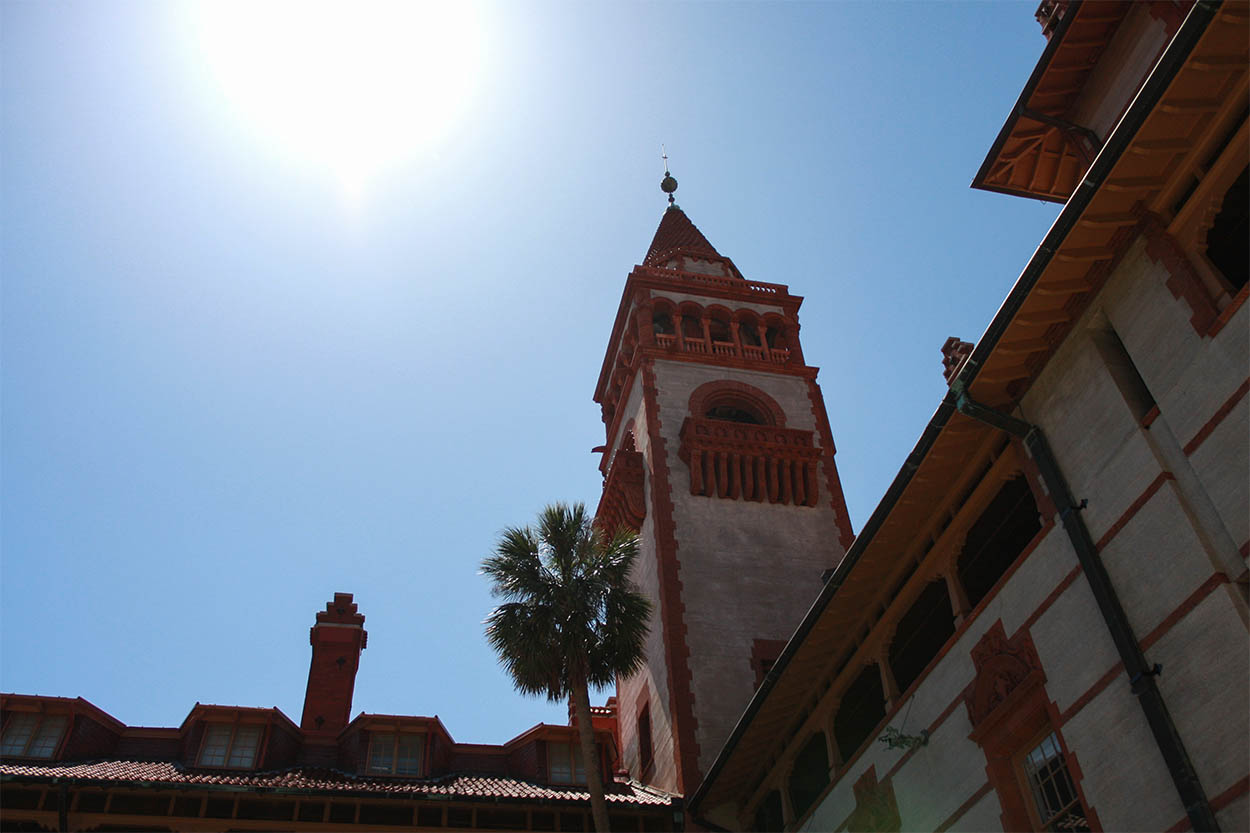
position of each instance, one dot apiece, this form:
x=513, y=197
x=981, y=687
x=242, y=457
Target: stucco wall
x=653, y=680
x=748, y=570
x=1164, y=558
x=1120, y=71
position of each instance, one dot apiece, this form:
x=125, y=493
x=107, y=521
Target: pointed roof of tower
x=677, y=232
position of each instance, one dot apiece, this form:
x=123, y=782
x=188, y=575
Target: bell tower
x=719, y=454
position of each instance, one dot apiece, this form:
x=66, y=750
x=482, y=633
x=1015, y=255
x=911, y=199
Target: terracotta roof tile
x=677, y=232
x=454, y=786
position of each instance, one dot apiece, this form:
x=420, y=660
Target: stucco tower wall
x=651, y=685
x=748, y=570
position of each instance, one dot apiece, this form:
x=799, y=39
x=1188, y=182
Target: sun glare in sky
x=353, y=88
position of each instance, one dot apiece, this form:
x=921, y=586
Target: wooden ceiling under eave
x=1143, y=181
x=1033, y=157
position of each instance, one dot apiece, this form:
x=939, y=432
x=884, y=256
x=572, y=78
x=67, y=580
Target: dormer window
x=395, y=753
x=565, y=764
x=230, y=745
x=29, y=735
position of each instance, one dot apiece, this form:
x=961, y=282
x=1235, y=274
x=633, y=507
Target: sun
x=351, y=88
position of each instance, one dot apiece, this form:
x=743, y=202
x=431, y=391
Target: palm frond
x=570, y=610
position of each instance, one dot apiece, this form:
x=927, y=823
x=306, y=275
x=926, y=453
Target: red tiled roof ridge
x=457, y=784
x=676, y=231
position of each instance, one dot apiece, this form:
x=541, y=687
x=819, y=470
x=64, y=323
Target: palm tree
x=570, y=618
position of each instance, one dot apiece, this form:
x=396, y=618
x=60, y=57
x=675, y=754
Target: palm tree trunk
x=598, y=805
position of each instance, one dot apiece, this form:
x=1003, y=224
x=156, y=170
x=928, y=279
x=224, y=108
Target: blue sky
x=233, y=385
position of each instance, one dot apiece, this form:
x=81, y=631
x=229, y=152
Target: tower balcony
x=752, y=462
x=727, y=349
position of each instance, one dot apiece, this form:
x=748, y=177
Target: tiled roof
x=677, y=232
x=468, y=787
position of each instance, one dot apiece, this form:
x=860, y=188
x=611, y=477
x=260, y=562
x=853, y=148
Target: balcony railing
x=775, y=355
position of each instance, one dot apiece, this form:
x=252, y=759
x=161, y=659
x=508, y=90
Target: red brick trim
x=965, y=807
x=1182, y=610
x=1009, y=710
x=762, y=651
x=1218, y=417
x=837, y=500
x=1183, y=282
x=672, y=609
x=1218, y=803
x=1133, y=509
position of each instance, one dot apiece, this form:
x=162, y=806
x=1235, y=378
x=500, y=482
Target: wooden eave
x=76, y=705
x=396, y=723
x=209, y=711
x=1031, y=158
x=1142, y=182
x=1061, y=278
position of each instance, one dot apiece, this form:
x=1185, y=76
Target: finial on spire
x=668, y=185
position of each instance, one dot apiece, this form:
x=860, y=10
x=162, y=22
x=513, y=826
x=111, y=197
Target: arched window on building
x=691, y=322
x=735, y=412
x=921, y=633
x=749, y=330
x=997, y=538
x=1228, y=240
x=662, y=323
x=810, y=775
x=861, y=709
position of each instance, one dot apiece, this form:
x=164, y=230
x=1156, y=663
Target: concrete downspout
x=1141, y=676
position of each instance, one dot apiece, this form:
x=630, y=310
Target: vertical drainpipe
x=1141, y=676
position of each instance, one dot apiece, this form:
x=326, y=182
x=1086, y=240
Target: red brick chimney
x=337, y=640
x=954, y=354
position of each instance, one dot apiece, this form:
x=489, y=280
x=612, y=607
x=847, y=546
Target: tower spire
x=668, y=185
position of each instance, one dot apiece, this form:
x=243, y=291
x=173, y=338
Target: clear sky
x=295, y=305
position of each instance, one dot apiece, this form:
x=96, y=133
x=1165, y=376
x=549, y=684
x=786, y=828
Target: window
x=1055, y=799
x=862, y=708
x=29, y=735
x=997, y=538
x=921, y=633
x=230, y=745
x=1226, y=239
x=564, y=763
x=644, y=738
x=810, y=775
x=395, y=753
x=733, y=413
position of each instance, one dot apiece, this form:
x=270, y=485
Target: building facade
x=1043, y=626
x=68, y=765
